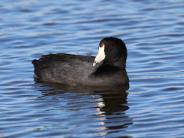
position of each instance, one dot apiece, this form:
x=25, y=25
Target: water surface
x=153, y=32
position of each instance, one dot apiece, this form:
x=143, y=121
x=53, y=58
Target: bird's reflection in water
x=110, y=107
x=111, y=110
x=113, y=102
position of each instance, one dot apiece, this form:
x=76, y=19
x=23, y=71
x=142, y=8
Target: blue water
x=154, y=35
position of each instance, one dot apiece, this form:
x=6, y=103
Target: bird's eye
x=101, y=45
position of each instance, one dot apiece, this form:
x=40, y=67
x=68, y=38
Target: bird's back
x=63, y=68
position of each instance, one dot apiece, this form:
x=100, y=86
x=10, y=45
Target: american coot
x=106, y=70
